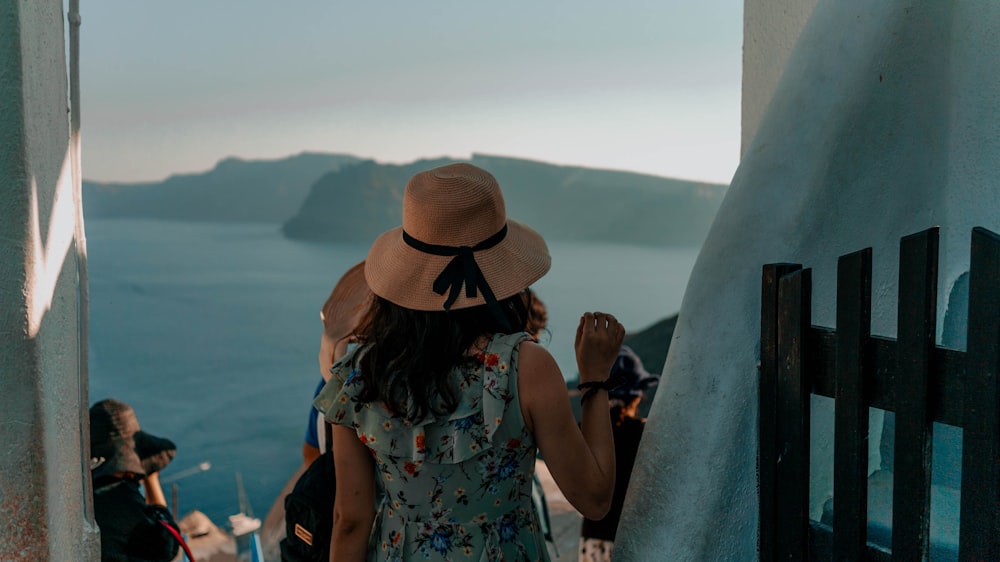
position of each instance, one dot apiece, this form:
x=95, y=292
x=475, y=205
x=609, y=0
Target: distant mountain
x=361, y=200
x=234, y=190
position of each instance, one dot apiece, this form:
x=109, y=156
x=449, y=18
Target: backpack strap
x=327, y=435
x=180, y=539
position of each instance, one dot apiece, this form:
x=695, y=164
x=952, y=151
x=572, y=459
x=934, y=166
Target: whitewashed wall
x=771, y=29
x=883, y=123
x=43, y=476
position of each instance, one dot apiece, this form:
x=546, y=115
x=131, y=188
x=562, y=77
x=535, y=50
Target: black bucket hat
x=117, y=444
x=633, y=376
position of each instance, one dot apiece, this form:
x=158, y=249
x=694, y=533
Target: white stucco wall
x=770, y=30
x=43, y=475
x=883, y=124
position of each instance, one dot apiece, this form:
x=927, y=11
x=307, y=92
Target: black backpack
x=309, y=513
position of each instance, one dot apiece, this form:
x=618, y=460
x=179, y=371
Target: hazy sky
x=650, y=86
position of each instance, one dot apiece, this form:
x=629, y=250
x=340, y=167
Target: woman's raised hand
x=598, y=339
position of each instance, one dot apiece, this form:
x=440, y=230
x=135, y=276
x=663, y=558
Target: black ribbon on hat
x=463, y=269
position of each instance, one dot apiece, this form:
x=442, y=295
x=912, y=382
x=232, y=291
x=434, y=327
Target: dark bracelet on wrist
x=593, y=387
x=590, y=392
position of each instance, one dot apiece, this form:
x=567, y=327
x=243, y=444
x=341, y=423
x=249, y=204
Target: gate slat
x=767, y=456
x=792, y=420
x=946, y=386
x=850, y=477
x=918, y=272
x=979, y=537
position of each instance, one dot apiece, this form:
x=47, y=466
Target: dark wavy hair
x=410, y=353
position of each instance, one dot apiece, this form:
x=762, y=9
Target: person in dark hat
x=133, y=527
x=597, y=536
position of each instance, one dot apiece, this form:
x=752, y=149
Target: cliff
x=359, y=201
x=234, y=190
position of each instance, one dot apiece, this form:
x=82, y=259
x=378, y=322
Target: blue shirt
x=312, y=429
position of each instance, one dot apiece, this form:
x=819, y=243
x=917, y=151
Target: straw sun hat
x=455, y=232
x=346, y=304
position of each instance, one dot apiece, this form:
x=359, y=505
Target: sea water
x=211, y=332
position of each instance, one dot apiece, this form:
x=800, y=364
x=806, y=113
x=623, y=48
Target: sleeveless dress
x=456, y=488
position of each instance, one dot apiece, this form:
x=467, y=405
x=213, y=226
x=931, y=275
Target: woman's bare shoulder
x=533, y=357
x=538, y=373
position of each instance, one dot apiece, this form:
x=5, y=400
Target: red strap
x=180, y=539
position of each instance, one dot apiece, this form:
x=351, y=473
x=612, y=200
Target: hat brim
x=350, y=299
x=155, y=453
x=115, y=455
x=405, y=276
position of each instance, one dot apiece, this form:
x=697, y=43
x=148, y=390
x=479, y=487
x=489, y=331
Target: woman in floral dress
x=447, y=400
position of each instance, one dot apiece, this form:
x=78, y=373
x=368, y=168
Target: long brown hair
x=410, y=354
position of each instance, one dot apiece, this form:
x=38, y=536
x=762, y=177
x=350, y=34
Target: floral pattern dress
x=456, y=488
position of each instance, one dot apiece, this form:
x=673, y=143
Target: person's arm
x=354, y=504
x=309, y=453
x=580, y=458
x=154, y=492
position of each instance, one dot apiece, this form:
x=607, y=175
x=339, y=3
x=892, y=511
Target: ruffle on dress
x=486, y=391
x=516, y=530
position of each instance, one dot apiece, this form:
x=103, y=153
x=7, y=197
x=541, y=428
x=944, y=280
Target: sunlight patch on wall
x=45, y=260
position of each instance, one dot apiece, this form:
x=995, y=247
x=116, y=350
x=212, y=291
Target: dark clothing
x=627, y=434
x=130, y=528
